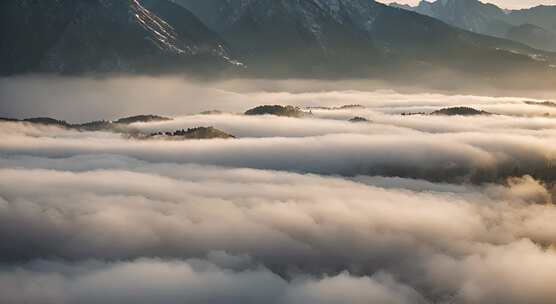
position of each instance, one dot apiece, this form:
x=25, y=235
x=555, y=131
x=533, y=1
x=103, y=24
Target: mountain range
x=355, y=37
x=272, y=38
x=534, y=26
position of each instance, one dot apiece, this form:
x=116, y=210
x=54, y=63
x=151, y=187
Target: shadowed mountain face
x=77, y=36
x=489, y=19
x=542, y=16
x=533, y=35
x=354, y=36
x=471, y=15
x=275, y=38
x=294, y=37
x=537, y=23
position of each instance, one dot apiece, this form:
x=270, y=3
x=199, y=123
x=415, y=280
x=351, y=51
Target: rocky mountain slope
x=274, y=38
x=355, y=37
x=77, y=36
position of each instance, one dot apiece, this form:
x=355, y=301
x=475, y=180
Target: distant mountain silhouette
x=534, y=26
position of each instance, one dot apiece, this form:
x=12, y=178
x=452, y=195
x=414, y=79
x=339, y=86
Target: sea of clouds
x=400, y=209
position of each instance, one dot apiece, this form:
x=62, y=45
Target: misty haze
x=277, y=151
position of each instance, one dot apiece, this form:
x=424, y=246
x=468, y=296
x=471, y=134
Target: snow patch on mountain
x=163, y=34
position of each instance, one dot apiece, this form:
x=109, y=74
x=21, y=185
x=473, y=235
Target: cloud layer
x=455, y=156
x=402, y=209
x=197, y=281
x=442, y=243
x=84, y=99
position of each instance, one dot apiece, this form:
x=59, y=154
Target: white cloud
x=405, y=209
x=295, y=225
x=196, y=281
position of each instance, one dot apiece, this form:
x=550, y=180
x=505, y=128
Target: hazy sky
x=501, y=3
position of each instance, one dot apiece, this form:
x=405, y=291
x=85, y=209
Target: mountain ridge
x=274, y=38
x=80, y=36
x=489, y=19
x=374, y=33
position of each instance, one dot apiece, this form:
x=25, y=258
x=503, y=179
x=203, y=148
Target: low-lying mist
x=78, y=99
x=403, y=204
